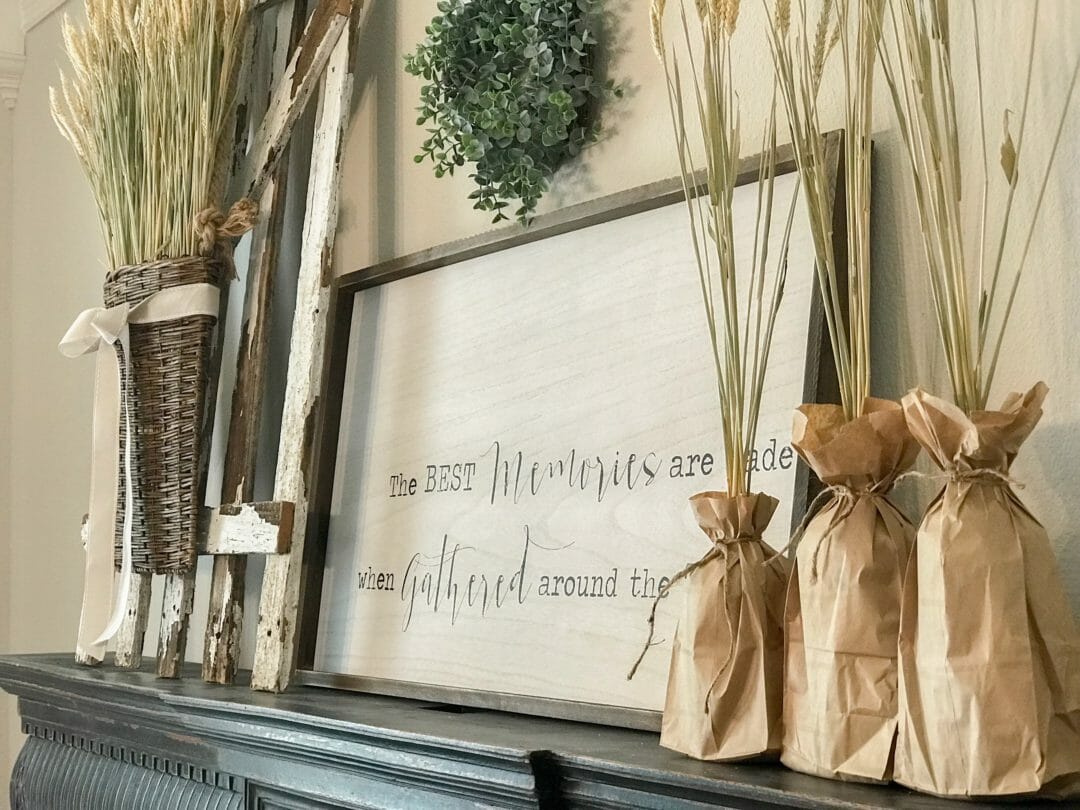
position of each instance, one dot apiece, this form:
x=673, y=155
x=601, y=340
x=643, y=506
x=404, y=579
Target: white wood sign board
x=519, y=435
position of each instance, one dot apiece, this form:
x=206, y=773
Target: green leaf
x=507, y=88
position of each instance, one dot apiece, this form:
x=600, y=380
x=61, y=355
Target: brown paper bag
x=843, y=603
x=724, y=688
x=989, y=648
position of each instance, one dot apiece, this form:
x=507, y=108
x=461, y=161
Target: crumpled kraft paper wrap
x=989, y=648
x=725, y=684
x=843, y=602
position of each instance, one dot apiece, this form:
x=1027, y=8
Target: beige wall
x=57, y=270
x=392, y=206
x=6, y=703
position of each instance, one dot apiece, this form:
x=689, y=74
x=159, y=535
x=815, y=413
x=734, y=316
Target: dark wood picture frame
x=819, y=385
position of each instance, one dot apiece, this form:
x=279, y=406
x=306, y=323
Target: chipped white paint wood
x=82, y=656
x=85, y=658
x=225, y=613
x=176, y=604
x=276, y=636
x=291, y=94
x=250, y=528
x=129, y=639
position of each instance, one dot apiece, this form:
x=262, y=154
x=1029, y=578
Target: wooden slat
x=85, y=657
x=250, y=528
x=275, y=639
x=225, y=616
x=328, y=20
x=129, y=639
x=176, y=604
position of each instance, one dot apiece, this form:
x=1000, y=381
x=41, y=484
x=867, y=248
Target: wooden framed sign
x=512, y=427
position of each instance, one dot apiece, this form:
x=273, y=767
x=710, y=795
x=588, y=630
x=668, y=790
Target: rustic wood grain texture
x=328, y=20
x=275, y=639
x=251, y=528
x=176, y=604
x=85, y=657
x=225, y=616
x=129, y=639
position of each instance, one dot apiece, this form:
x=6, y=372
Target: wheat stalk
x=740, y=320
x=146, y=107
x=918, y=68
x=800, y=60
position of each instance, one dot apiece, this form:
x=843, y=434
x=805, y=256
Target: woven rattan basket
x=169, y=375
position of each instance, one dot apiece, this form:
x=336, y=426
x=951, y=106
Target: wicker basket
x=169, y=376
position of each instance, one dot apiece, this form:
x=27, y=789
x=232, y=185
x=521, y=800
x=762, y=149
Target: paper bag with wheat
x=724, y=687
x=989, y=649
x=843, y=606
x=843, y=602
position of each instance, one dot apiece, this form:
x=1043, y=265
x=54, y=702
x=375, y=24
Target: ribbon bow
x=93, y=330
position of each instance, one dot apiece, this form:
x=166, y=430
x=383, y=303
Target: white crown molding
x=34, y=11
x=12, y=46
x=11, y=69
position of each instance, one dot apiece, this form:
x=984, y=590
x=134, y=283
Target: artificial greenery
x=510, y=88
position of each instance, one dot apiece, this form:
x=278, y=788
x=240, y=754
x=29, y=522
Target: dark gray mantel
x=101, y=738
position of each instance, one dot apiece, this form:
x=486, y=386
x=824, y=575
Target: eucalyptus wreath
x=509, y=88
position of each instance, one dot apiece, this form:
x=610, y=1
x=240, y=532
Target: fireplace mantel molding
x=108, y=739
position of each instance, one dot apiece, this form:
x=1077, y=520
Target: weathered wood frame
x=819, y=385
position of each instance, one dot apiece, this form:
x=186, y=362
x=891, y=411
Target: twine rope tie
x=955, y=475
x=847, y=498
x=719, y=549
x=217, y=229
x=720, y=670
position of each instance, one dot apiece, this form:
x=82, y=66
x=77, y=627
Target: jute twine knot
x=719, y=549
x=955, y=475
x=846, y=497
x=215, y=228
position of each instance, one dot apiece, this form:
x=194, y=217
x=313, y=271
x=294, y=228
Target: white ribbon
x=94, y=329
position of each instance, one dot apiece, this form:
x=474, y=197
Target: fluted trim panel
x=52, y=776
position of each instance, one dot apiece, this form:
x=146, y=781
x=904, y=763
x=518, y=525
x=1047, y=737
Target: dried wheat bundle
x=800, y=56
x=965, y=278
x=740, y=321
x=964, y=706
x=723, y=695
x=146, y=107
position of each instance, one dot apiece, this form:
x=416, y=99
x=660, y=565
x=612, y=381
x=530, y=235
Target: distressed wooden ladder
x=297, y=54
